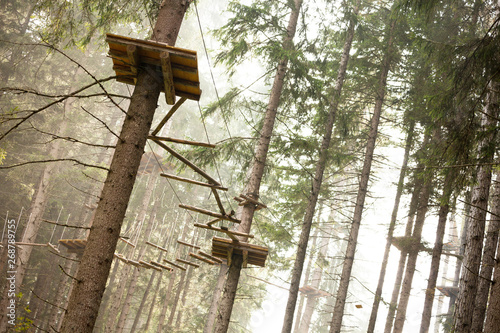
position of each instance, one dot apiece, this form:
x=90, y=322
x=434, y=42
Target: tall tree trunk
x=168, y=293
x=390, y=232
x=338, y=311
x=475, y=234
x=214, y=305
x=437, y=251
x=253, y=185
x=316, y=183
x=94, y=267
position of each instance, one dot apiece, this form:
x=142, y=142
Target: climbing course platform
x=252, y=254
x=310, y=291
x=176, y=68
x=74, y=245
x=448, y=291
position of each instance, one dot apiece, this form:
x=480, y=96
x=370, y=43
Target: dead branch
x=64, y=225
x=54, y=160
x=102, y=122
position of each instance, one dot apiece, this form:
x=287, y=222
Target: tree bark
x=316, y=183
x=94, y=267
x=212, y=312
x=253, y=185
x=338, y=311
x=390, y=232
x=475, y=235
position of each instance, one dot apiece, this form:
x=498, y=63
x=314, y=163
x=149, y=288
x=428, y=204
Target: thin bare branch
x=55, y=160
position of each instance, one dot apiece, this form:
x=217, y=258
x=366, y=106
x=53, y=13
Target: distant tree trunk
x=141, y=246
x=168, y=293
x=475, y=235
x=444, y=209
x=153, y=302
x=338, y=311
x=317, y=182
x=253, y=185
x=307, y=274
x=390, y=232
x=94, y=267
x=305, y=323
x=488, y=263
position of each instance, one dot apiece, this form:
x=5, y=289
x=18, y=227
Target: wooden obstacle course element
x=310, y=291
x=185, y=142
x=74, y=245
x=176, y=68
x=448, y=290
x=208, y=261
x=148, y=265
x=209, y=223
x=126, y=241
x=169, y=114
x=121, y=257
x=195, y=182
x=187, y=262
x=230, y=233
x=210, y=257
x=189, y=245
x=53, y=248
x=209, y=213
x=224, y=248
x=174, y=264
x=245, y=200
x=157, y=246
x=135, y=263
x=152, y=262
x=408, y=244
x=148, y=163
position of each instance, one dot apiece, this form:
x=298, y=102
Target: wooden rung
x=252, y=200
x=239, y=199
x=174, y=264
x=187, y=244
x=186, y=180
x=157, y=246
x=187, y=262
x=161, y=265
x=30, y=244
x=185, y=142
x=126, y=241
x=53, y=247
x=187, y=162
x=168, y=77
x=236, y=233
x=134, y=263
x=148, y=265
x=208, y=261
x=209, y=213
x=210, y=257
x=168, y=116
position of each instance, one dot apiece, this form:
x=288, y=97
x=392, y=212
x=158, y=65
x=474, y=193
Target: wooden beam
x=187, y=162
x=161, y=265
x=219, y=202
x=195, y=182
x=252, y=200
x=229, y=233
x=208, y=261
x=172, y=110
x=187, y=262
x=245, y=258
x=133, y=60
x=30, y=244
x=126, y=241
x=213, y=221
x=174, y=264
x=134, y=263
x=229, y=255
x=236, y=233
x=210, y=257
x=157, y=246
x=185, y=142
x=190, y=245
x=209, y=213
x=168, y=77
x=148, y=265
x=53, y=247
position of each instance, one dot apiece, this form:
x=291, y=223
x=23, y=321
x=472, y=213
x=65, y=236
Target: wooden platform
x=74, y=245
x=171, y=64
x=310, y=291
x=448, y=290
x=408, y=244
x=252, y=254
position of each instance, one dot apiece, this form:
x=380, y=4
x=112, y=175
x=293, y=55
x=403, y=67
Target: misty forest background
x=432, y=184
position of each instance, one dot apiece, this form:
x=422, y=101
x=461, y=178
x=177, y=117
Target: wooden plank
x=168, y=78
x=187, y=262
x=209, y=213
x=195, y=182
x=245, y=259
x=133, y=58
x=204, y=226
x=210, y=256
x=174, y=264
x=148, y=265
x=186, y=142
x=208, y=261
x=229, y=255
x=161, y=265
x=190, y=245
x=157, y=246
x=170, y=113
x=187, y=162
